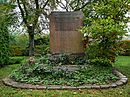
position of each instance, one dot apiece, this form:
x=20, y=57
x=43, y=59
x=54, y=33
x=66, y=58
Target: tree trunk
x=31, y=40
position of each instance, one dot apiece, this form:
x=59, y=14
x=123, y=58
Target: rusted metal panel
x=64, y=34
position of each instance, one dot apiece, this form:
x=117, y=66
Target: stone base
x=123, y=80
x=69, y=57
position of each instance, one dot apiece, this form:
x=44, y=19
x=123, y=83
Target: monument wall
x=64, y=34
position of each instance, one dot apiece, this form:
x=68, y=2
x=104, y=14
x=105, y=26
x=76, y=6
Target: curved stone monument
x=64, y=34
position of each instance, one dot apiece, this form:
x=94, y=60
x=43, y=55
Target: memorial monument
x=64, y=34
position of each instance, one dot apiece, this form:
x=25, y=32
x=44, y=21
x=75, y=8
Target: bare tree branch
x=37, y=5
x=26, y=12
x=22, y=13
x=45, y=4
x=62, y=5
x=36, y=14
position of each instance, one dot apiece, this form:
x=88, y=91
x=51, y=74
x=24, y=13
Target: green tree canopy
x=105, y=22
x=34, y=14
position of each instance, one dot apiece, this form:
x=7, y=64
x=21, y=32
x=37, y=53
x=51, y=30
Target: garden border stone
x=123, y=80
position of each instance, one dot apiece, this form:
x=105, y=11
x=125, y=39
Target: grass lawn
x=122, y=63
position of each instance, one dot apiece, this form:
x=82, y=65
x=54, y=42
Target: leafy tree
x=105, y=23
x=5, y=22
x=34, y=14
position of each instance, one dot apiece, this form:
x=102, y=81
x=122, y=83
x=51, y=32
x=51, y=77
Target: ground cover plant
x=87, y=75
x=122, y=63
x=44, y=72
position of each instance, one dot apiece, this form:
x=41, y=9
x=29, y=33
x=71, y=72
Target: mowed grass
x=122, y=63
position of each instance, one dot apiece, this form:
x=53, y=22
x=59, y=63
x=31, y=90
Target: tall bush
x=105, y=22
x=4, y=33
x=4, y=45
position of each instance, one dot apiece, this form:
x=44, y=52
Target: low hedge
x=15, y=60
x=125, y=48
x=23, y=51
x=17, y=50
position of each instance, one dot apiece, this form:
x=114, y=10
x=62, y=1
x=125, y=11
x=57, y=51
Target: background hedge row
x=19, y=45
x=125, y=48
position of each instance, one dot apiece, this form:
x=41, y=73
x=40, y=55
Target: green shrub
x=61, y=59
x=6, y=18
x=68, y=59
x=20, y=40
x=41, y=44
x=125, y=48
x=17, y=50
x=4, y=45
x=39, y=49
x=4, y=33
x=15, y=60
x=44, y=71
x=105, y=26
x=92, y=51
x=19, y=45
x=40, y=40
x=101, y=62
